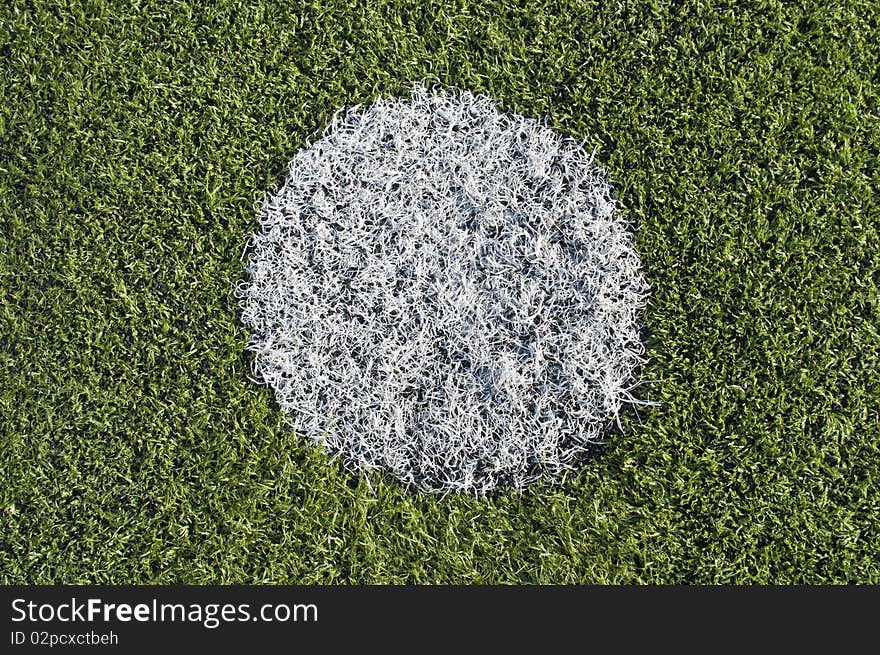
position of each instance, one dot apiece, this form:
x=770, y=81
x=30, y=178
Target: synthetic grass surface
x=135, y=140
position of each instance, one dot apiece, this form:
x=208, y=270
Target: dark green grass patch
x=134, y=142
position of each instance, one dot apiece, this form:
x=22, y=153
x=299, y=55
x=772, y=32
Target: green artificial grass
x=135, y=140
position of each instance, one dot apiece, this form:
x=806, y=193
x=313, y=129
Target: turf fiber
x=136, y=139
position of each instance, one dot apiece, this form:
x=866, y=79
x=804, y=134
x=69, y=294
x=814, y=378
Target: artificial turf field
x=136, y=138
